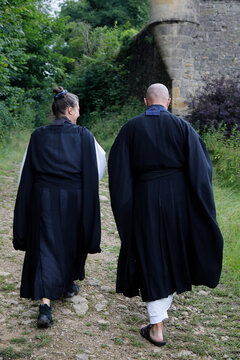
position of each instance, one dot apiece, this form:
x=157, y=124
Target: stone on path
x=202, y=292
x=106, y=288
x=94, y=282
x=103, y=198
x=185, y=353
x=80, y=305
x=81, y=357
x=101, y=306
x=103, y=322
x=3, y=273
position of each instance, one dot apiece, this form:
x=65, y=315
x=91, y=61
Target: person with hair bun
x=57, y=212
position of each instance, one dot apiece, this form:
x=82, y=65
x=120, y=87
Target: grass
x=10, y=353
x=43, y=339
x=228, y=215
x=12, y=150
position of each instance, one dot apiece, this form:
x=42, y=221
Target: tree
x=28, y=61
x=101, y=13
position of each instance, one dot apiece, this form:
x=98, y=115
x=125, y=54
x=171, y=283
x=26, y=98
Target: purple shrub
x=216, y=105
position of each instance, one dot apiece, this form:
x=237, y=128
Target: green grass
x=12, y=150
x=18, y=340
x=228, y=216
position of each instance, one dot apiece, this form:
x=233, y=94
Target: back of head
x=157, y=94
x=62, y=100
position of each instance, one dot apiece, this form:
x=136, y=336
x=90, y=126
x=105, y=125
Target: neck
x=159, y=104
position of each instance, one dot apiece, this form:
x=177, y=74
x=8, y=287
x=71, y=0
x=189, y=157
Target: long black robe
x=160, y=178
x=57, y=215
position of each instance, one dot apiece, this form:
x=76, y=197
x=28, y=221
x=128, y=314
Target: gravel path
x=98, y=323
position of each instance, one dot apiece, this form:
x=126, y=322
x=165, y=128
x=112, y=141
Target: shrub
x=225, y=156
x=217, y=103
x=106, y=124
x=101, y=76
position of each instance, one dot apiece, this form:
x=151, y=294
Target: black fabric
x=161, y=194
x=57, y=214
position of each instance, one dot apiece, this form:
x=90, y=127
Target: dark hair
x=62, y=100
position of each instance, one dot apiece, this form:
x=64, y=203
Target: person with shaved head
x=160, y=180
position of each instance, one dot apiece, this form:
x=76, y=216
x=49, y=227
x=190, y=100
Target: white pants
x=157, y=310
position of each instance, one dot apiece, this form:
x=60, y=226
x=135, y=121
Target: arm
x=22, y=209
x=101, y=159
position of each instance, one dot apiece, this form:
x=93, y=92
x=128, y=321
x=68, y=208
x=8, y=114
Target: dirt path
x=99, y=324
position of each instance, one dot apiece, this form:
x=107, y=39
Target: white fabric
x=101, y=161
x=157, y=310
x=23, y=162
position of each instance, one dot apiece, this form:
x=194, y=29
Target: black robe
x=57, y=214
x=160, y=178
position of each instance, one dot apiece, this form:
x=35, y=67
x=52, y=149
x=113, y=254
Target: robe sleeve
x=206, y=237
x=200, y=171
x=23, y=203
x=101, y=159
x=121, y=183
x=91, y=225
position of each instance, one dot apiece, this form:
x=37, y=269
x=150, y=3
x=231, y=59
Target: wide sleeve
x=22, y=208
x=101, y=159
x=91, y=208
x=121, y=182
x=200, y=171
x=206, y=237
x=121, y=185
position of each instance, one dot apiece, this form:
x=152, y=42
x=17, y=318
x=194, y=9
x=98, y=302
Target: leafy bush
x=106, y=124
x=217, y=103
x=100, y=78
x=225, y=156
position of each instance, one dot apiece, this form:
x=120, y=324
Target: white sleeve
x=101, y=159
x=22, y=165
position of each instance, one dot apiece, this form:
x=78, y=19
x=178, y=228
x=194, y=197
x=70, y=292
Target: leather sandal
x=145, y=332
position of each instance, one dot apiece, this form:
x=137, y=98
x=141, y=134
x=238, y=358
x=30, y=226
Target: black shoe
x=45, y=316
x=73, y=291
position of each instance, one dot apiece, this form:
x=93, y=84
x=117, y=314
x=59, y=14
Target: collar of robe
x=154, y=110
x=61, y=121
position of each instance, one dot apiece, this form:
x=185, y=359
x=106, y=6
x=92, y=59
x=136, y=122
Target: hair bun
x=58, y=89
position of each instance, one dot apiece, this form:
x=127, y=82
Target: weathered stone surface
x=4, y=273
x=94, y=282
x=185, y=353
x=105, y=288
x=82, y=357
x=80, y=305
x=101, y=306
x=103, y=198
x=103, y=322
x=210, y=49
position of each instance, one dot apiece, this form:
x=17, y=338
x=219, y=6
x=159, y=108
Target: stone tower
x=173, y=24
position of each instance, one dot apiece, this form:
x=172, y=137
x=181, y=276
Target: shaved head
x=157, y=94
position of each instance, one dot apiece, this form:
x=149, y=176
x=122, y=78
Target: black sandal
x=145, y=332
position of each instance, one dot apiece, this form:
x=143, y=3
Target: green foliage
x=106, y=124
x=110, y=12
x=100, y=76
x=228, y=214
x=225, y=155
x=28, y=63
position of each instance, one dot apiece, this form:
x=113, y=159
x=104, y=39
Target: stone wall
x=214, y=51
